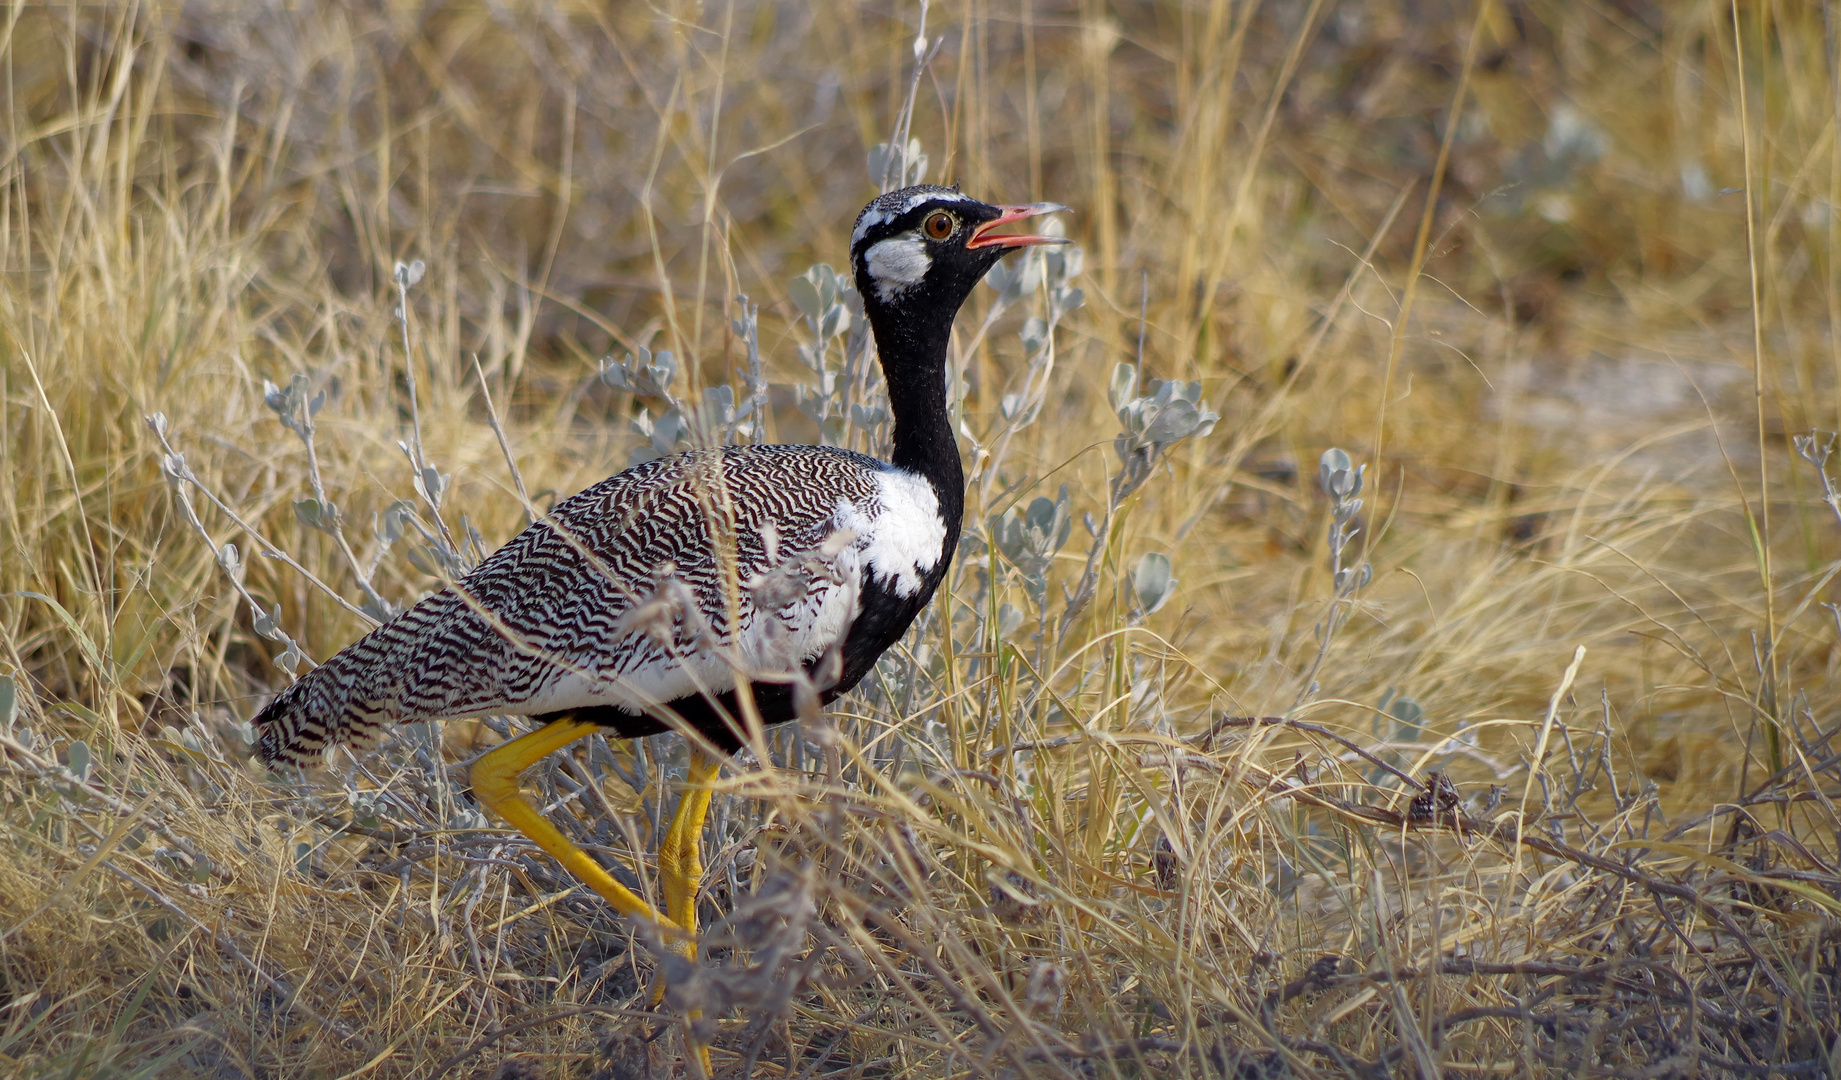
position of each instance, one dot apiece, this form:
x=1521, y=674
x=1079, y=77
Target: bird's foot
x=680, y=873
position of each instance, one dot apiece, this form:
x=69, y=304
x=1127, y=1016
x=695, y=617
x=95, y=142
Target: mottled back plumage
x=621, y=596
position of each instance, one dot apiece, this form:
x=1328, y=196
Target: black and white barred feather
x=656, y=585
x=648, y=599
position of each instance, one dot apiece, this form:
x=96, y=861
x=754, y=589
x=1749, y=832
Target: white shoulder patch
x=906, y=537
x=897, y=263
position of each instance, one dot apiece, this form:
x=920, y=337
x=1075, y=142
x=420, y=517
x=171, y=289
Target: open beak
x=982, y=237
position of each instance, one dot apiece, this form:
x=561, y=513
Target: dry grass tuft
x=1548, y=790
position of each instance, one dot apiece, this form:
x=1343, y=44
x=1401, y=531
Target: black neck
x=913, y=353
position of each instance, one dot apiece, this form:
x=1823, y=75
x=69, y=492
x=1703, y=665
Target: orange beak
x=982, y=237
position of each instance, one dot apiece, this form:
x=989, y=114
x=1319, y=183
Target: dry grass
x=1040, y=846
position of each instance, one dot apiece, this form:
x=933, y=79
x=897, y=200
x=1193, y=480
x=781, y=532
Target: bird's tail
x=320, y=711
x=358, y=695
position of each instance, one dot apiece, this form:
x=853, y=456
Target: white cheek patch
x=897, y=263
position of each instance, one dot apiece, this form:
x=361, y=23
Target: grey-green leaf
x=1152, y=583
x=1124, y=383
x=1008, y=619
x=805, y=295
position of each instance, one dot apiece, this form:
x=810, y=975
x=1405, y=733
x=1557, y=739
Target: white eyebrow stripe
x=927, y=197
x=868, y=220
x=876, y=214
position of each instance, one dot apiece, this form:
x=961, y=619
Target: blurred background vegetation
x=1560, y=275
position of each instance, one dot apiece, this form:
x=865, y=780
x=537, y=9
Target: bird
x=692, y=591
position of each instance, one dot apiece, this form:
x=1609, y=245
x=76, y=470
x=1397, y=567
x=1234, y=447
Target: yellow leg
x=495, y=783
x=680, y=868
x=680, y=855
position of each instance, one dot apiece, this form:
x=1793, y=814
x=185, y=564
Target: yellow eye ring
x=939, y=225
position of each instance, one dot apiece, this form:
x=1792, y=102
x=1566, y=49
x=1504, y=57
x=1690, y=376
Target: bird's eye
x=939, y=225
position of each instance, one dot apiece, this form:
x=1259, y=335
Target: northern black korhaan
x=639, y=603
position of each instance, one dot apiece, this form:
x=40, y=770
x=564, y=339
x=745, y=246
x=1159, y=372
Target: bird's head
x=920, y=250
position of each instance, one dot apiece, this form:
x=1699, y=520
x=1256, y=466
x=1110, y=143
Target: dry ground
x=1560, y=275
